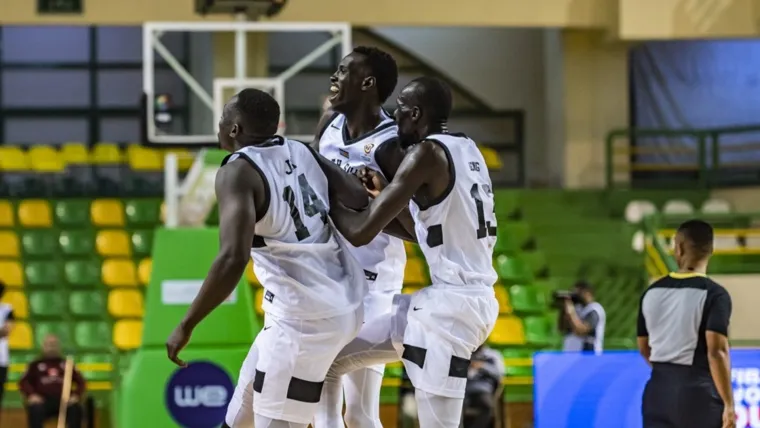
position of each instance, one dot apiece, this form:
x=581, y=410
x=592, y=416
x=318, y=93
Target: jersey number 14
x=484, y=227
x=312, y=206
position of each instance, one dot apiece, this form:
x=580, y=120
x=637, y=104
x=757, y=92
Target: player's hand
x=177, y=342
x=569, y=306
x=372, y=180
x=35, y=399
x=729, y=417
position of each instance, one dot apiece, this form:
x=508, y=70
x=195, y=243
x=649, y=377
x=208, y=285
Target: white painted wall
x=507, y=68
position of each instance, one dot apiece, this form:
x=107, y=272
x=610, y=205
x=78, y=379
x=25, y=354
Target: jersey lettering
x=484, y=227
x=312, y=205
x=291, y=166
x=345, y=166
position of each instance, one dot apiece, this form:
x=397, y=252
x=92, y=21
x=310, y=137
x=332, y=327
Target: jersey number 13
x=484, y=227
x=312, y=206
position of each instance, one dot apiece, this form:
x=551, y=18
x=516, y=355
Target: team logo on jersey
x=197, y=396
x=343, y=153
x=368, y=148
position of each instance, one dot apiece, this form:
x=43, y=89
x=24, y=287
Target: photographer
x=581, y=319
x=483, y=384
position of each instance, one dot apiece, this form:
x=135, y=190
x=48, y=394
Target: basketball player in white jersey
x=435, y=330
x=356, y=132
x=273, y=207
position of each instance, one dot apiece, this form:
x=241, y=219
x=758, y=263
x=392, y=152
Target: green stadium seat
x=394, y=369
x=506, y=203
x=143, y=212
x=82, y=272
x=77, y=242
x=41, y=274
x=46, y=304
x=512, y=237
x=516, y=362
x=526, y=298
x=59, y=329
x=72, y=213
x=536, y=262
x=98, y=367
x=17, y=360
x=38, y=243
x=512, y=270
x=142, y=242
x=93, y=335
x=86, y=303
x=539, y=331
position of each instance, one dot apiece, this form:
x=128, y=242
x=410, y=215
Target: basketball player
x=436, y=329
x=273, y=206
x=356, y=132
x=683, y=334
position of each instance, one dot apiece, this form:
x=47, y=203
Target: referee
x=683, y=335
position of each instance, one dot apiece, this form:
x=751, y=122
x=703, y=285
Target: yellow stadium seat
x=35, y=213
x=13, y=159
x=410, y=290
x=119, y=273
x=113, y=243
x=11, y=273
x=127, y=334
x=414, y=272
x=250, y=275
x=144, y=270
x=9, y=244
x=411, y=249
x=105, y=154
x=185, y=158
x=107, y=212
x=125, y=304
x=492, y=158
x=75, y=153
x=21, y=337
x=505, y=307
x=45, y=159
x=258, y=301
x=508, y=330
x=140, y=158
x=17, y=300
x=6, y=214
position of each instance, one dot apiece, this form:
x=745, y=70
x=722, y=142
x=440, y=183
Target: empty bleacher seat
x=74, y=153
x=536, y=263
x=119, y=273
x=43, y=273
x=716, y=206
x=143, y=212
x=98, y=367
x=526, y=298
x=92, y=335
x=85, y=273
x=677, y=207
x=10, y=273
x=258, y=300
x=144, y=271
x=113, y=243
x=518, y=362
x=507, y=203
x=80, y=242
x=125, y=304
x=127, y=334
x=512, y=270
x=491, y=157
x=636, y=210
x=39, y=243
x=72, y=213
x=142, y=158
x=539, y=330
x=185, y=158
x=57, y=328
x=45, y=159
x=508, y=331
x=21, y=338
x=46, y=304
x=6, y=214
x=505, y=307
x=86, y=303
x=106, y=153
x=410, y=289
x=414, y=272
x=35, y=213
x=13, y=159
x=107, y=213
x=142, y=242
x=411, y=249
x=18, y=302
x=9, y=244
x=512, y=237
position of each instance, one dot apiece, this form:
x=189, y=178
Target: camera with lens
x=559, y=298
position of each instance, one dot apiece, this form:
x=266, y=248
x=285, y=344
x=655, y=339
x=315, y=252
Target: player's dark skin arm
x=421, y=166
x=389, y=157
x=236, y=184
x=343, y=187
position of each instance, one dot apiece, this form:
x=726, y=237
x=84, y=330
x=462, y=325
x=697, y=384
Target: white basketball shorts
x=435, y=331
x=376, y=304
x=286, y=367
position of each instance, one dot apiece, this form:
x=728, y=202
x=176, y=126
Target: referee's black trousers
x=678, y=396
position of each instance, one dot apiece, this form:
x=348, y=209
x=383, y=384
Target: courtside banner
x=574, y=390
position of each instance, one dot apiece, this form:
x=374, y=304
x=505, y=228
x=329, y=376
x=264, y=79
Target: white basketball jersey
x=307, y=272
x=457, y=233
x=384, y=258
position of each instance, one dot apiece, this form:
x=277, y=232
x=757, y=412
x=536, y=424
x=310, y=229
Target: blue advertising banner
x=574, y=390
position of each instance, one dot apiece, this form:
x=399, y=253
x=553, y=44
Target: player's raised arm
x=236, y=183
x=344, y=187
x=359, y=228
